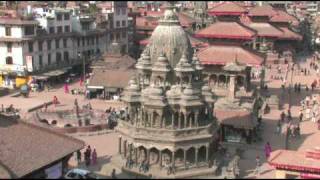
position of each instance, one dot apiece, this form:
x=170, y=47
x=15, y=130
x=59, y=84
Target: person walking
x=113, y=174
x=94, y=157
x=78, y=156
x=257, y=170
x=267, y=150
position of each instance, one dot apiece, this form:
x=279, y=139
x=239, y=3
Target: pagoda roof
x=289, y=35
x=294, y=160
x=226, y=30
x=223, y=54
x=265, y=30
x=282, y=16
x=264, y=10
x=227, y=8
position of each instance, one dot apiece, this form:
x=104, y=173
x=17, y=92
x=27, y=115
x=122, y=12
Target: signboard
x=29, y=63
x=54, y=172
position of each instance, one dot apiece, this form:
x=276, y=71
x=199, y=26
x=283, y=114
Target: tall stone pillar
x=207, y=153
x=172, y=120
x=179, y=120
x=173, y=159
x=125, y=148
x=232, y=87
x=148, y=156
x=196, y=119
x=151, y=119
x=185, y=120
x=185, y=158
x=130, y=151
x=161, y=120
x=190, y=122
x=120, y=144
x=160, y=158
x=196, y=157
x=136, y=152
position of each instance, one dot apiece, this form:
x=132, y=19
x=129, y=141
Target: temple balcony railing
x=161, y=134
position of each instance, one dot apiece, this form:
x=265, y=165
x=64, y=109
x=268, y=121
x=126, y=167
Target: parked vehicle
x=80, y=174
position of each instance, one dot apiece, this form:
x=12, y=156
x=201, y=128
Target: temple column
x=207, y=153
x=146, y=119
x=130, y=151
x=172, y=121
x=136, y=153
x=196, y=118
x=161, y=120
x=120, y=144
x=152, y=119
x=196, y=157
x=190, y=121
x=173, y=159
x=185, y=120
x=160, y=158
x=125, y=148
x=148, y=156
x=185, y=158
x=179, y=120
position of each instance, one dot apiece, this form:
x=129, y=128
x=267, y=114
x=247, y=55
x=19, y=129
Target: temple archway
x=191, y=154
x=44, y=121
x=240, y=81
x=142, y=154
x=213, y=80
x=154, y=156
x=202, y=154
x=222, y=80
x=54, y=122
x=179, y=157
x=166, y=156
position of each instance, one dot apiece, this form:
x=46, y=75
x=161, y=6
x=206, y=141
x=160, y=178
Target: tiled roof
x=227, y=8
x=148, y=23
x=290, y=35
x=264, y=10
x=227, y=30
x=26, y=147
x=185, y=20
x=237, y=118
x=294, y=160
x=112, y=62
x=111, y=78
x=223, y=54
x=282, y=16
x=265, y=29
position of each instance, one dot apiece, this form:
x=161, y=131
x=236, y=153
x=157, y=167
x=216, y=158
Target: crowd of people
x=90, y=157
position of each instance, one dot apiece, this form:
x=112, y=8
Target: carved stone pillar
x=232, y=87
x=207, y=153
x=125, y=148
x=185, y=158
x=172, y=120
x=136, y=153
x=130, y=151
x=185, y=120
x=161, y=120
x=160, y=158
x=148, y=156
x=173, y=159
x=196, y=118
x=120, y=144
x=179, y=120
x=190, y=122
x=152, y=119
x=196, y=157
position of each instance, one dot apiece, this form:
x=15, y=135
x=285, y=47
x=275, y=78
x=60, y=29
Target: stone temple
x=170, y=118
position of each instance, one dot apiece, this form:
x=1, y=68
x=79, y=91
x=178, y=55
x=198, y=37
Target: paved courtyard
x=106, y=144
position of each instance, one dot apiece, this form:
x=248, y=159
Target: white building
x=52, y=41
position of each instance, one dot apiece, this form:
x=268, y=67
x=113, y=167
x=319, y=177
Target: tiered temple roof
x=227, y=8
x=226, y=30
x=223, y=54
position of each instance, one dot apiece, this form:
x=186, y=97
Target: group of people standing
x=90, y=157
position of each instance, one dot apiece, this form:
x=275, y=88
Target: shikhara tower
x=170, y=107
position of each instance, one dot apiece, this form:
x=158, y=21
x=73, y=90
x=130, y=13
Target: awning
x=309, y=176
x=41, y=77
x=55, y=73
x=95, y=87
